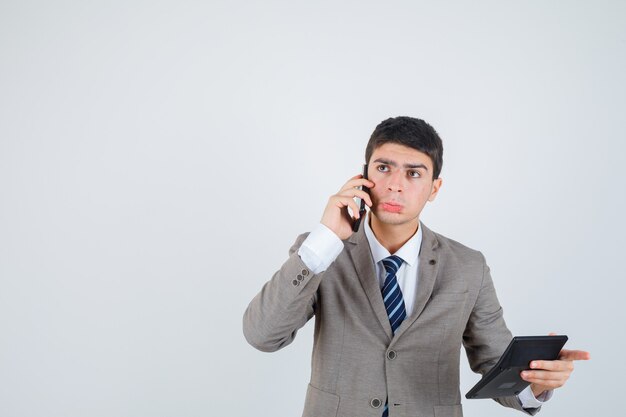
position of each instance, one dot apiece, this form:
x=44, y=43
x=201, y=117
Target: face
x=403, y=183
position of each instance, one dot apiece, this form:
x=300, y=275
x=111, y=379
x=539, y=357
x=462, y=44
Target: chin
x=393, y=218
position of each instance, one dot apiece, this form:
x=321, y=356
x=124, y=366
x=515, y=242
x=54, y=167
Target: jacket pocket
x=320, y=403
x=448, y=411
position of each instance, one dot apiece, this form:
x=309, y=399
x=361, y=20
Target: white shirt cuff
x=320, y=249
x=528, y=400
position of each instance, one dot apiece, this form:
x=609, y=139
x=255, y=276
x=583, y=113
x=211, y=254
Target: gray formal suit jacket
x=357, y=363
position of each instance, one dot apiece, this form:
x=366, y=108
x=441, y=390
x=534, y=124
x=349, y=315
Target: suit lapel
x=427, y=273
x=427, y=270
x=361, y=255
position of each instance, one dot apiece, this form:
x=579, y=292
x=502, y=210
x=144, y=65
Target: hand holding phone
x=336, y=215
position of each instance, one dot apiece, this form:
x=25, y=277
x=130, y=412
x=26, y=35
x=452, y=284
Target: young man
x=394, y=301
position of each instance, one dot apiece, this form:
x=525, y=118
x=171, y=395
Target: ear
x=435, y=189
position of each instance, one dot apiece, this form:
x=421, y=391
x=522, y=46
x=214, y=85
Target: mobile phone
x=357, y=222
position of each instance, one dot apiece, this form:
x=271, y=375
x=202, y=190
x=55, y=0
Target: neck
x=393, y=236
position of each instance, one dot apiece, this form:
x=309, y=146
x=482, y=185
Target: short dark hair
x=411, y=132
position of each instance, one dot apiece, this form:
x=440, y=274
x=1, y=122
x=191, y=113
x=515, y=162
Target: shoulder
x=454, y=249
x=458, y=264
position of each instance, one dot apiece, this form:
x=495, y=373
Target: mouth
x=392, y=207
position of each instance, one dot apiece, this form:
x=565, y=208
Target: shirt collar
x=408, y=252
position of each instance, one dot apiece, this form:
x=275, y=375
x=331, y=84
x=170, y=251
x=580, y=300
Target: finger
x=363, y=196
x=548, y=384
x=341, y=202
x=357, y=182
x=557, y=365
x=544, y=376
x=351, y=181
x=574, y=355
x=355, y=209
x=355, y=192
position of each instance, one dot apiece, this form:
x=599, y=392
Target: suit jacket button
x=375, y=403
x=300, y=277
x=295, y=282
x=305, y=272
x=391, y=355
x=432, y=262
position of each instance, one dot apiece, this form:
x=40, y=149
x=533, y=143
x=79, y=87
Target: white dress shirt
x=322, y=246
x=407, y=273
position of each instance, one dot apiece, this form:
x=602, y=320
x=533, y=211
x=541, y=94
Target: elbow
x=259, y=343
x=256, y=338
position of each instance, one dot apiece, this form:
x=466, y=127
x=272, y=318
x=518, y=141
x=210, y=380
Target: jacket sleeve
x=284, y=304
x=486, y=336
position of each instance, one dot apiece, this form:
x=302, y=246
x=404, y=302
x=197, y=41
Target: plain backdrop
x=159, y=158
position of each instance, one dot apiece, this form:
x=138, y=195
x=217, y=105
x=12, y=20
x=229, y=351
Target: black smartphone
x=357, y=222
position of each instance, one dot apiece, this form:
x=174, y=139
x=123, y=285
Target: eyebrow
x=393, y=164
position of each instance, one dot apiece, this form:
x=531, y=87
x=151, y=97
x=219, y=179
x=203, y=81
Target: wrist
x=537, y=390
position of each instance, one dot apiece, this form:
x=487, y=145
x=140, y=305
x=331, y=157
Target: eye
x=382, y=168
x=414, y=174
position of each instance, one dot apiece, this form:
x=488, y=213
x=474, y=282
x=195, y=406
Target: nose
x=395, y=182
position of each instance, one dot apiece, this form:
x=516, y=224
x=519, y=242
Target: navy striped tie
x=392, y=297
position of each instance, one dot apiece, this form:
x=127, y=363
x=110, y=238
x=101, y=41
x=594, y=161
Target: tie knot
x=392, y=264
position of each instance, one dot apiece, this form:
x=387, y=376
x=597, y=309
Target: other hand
x=548, y=375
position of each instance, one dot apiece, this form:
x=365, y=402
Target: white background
x=158, y=159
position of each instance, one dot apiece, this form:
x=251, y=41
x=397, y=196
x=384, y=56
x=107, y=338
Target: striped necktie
x=392, y=297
